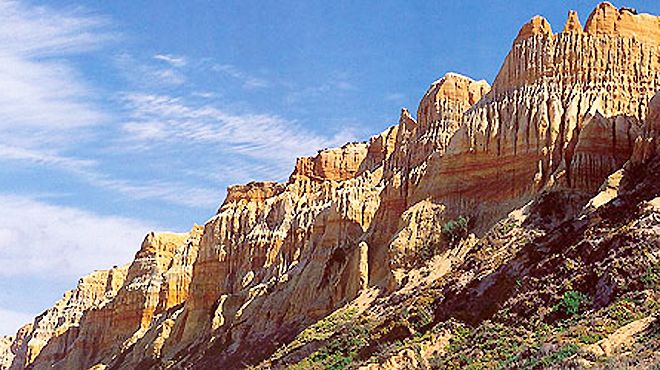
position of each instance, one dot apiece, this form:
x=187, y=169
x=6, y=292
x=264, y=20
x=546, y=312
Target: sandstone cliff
x=50, y=333
x=433, y=205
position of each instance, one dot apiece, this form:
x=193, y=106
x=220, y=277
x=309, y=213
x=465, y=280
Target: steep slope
x=564, y=110
x=110, y=309
x=438, y=226
x=576, y=286
x=6, y=354
x=50, y=333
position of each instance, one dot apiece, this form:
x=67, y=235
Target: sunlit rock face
x=51, y=333
x=253, y=192
x=110, y=309
x=6, y=354
x=565, y=111
x=332, y=164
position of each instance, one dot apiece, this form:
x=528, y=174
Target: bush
x=455, y=230
x=651, y=277
x=571, y=302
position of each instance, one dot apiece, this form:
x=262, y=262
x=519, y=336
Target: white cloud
x=11, y=321
x=46, y=103
x=172, y=192
x=249, y=82
x=39, y=88
x=34, y=31
x=149, y=74
x=14, y=153
x=159, y=118
x=173, y=60
x=40, y=239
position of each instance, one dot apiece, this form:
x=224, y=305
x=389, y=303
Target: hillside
x=507, y=226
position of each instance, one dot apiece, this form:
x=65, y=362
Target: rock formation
x=332, y=164
x=564, y=110
x=51, y=332
x=6, y=355
x=437, y=199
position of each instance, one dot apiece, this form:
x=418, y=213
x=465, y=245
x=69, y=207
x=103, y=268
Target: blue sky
x=121, y=117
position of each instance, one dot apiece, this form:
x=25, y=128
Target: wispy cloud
x=339, y=84
x=160, y=118
x=32, y=31
x=241, y=171
x=249, y=82
x=173, y=60
x=87, y=171
x=180, y=193
x=40, y=90
x=45, y=102
x=13, y=153
x=147, y=74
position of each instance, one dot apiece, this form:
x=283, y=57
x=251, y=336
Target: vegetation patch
x=572, y=303
x=455, y=230
x=651, y=278
x=321, y=330
x=339, y=352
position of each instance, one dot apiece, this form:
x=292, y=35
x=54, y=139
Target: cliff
x=440, y=224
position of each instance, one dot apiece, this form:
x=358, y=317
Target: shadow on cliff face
x=600, y=255
x=327, y=278
x=52, y=353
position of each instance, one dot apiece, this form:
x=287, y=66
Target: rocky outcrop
x=621, y=338
x=50, y=333
x=6, y=355
x=254, y=191
x=537, y=26
x=332, y=164
x=302, y=243
x=606, y=19
x=565, y=110
x=563, y=114
x=647, y=145
x=440, y=112
x=109, y=309
x=572, y=23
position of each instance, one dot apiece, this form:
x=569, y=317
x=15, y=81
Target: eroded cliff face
x=647, y=145
x=332, y=164
x=6, y=354
x=110, y=309
x=52, y=332
x=565, y=111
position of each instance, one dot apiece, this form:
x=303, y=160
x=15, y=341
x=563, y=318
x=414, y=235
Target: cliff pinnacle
x=538, y=25
x=572, y=23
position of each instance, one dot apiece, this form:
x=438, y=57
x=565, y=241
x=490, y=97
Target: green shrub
x=590, y=338
x=455, y=230
x=651, y=277
x=321, y=330
x=572, y=302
